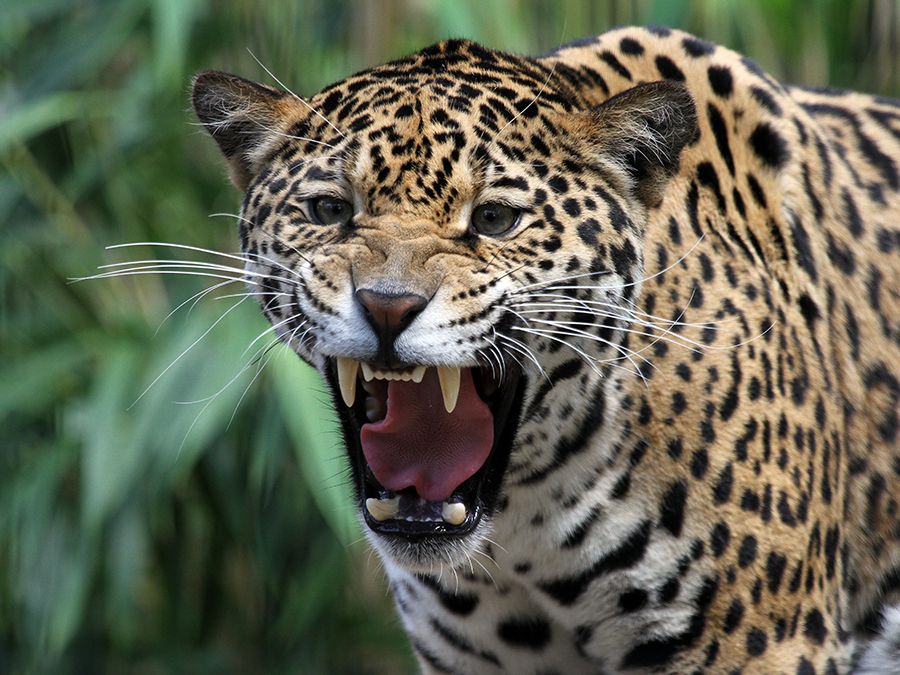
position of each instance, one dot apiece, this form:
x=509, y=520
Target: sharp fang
x=383, y=509
x=454, y=514
x=418, y=373
x=449, y=378
x=346, y=370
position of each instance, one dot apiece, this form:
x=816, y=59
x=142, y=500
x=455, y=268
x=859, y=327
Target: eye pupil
x=494, y=219
x=331, y=211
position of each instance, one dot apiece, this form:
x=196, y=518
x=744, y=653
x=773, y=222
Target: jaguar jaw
x=428, y=446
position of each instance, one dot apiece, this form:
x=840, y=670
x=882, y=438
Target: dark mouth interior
x=403, y=512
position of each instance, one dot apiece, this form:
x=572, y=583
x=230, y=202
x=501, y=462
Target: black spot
x=526, y=633
x=750, y=501
x=756, y=642
x=756, y=190
x=699, y=463
x=669, y=590
x=775, y=567
x=558, y=184
x=632, y=600
x=620, y=489
x=674, y=448
x=734, y=616
x=708, y=177
x=719, y=539
x=769, y=146
x=854, y=221
x=614, y=63
x=784, y=511
x=747, y=551
x=696, y=47
x=717, y=124
x=814, y=626
x=671, y=509
x=720, y=80
x=631, y=47
x=587, y=230
x=668, y=69
x=461, y=604
x=803, y=249
x=809, y=309
x=722, y=489
x=572, y=207
x=805, y=667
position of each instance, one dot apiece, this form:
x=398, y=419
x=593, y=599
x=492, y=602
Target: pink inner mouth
x=420, y=445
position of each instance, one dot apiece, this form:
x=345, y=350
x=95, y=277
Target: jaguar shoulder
x=614, y=340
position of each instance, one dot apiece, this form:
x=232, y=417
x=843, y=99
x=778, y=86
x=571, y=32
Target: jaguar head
x=441, y=237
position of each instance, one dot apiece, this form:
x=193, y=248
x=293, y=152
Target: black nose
x=389, y=314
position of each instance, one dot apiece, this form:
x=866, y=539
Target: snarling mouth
x=427, y=445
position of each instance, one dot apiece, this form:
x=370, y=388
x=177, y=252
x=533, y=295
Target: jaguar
x=613, y=337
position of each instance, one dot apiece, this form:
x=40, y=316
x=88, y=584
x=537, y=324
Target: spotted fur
x=698, y=307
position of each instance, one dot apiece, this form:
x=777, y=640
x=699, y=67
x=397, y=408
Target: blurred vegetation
x=141, y=533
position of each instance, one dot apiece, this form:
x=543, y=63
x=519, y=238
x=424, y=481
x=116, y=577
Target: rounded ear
x=246, y=119
x=641, y=133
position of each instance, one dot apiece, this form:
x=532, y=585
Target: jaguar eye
x=493, y=219
x=331, y=211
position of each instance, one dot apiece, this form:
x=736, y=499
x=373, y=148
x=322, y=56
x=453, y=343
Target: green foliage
x=172, y=501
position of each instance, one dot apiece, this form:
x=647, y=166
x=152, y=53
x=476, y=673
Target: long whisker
x=192, y=345
x=299, y=98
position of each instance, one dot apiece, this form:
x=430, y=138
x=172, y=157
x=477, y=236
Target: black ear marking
x=642, y=132
x=242, y=116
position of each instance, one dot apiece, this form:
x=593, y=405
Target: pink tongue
x=420, y=445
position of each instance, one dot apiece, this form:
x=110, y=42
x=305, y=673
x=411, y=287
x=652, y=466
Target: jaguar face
x=411, y=234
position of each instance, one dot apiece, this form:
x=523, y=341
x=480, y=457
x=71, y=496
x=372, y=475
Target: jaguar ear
x=246, y=119
x=641, y=132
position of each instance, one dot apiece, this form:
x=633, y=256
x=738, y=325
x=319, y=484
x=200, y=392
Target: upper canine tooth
x=346, y=371
x=449, y=378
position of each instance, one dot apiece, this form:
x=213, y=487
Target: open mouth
x=427, y=445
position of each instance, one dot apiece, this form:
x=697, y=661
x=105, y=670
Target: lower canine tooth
x=383, y=509
x=454, y=514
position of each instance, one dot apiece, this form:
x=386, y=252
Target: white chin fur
x=881, y=655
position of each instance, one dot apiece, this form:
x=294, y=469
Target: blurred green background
x=204, y=528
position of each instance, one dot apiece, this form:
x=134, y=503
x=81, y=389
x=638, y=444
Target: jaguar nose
x=389, y=314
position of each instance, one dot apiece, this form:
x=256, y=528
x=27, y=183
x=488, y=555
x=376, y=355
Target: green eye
x=493, y=219
x=331, y=211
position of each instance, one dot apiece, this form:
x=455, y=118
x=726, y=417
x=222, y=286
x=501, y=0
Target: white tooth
x=454, y=514
x=449, y=378
x=368, y=374
x=383, y=509
x=346, y=370
x=418, y=373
